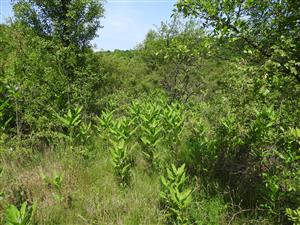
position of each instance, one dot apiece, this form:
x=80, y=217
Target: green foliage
x=104, y=121
x=293, y=215
x=251, y=141
x=282, y=178
x=201, y=152
x=72, y=22
x=151, y=132
x=135, y=110
x=173, y=51
x=122, y=128
x=1, y=171
x=218, y=93
x=265, y=30
x=48, y=60
x=54, y=181
x=71, y=121
x=24, y=216
x=150, y=137
x=5, y=122
x=7, y=108
x=175, y=197
x=124, y=70
x=85, y=133
x=121, y=162
x=174, y=120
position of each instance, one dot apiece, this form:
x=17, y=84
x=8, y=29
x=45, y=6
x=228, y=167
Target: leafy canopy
x=267, y=30
x=72, y=21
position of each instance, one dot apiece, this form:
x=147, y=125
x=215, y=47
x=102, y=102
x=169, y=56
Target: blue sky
x=126, y=22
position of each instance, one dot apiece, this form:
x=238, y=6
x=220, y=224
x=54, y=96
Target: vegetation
x=197, y=125
x=19, y=217
x=174, y=197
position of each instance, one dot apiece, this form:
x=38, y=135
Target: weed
x=293, y=215
x=24, y=216
x=70, y=121
x=121, y=163
x=175, y=197
x=56, y=182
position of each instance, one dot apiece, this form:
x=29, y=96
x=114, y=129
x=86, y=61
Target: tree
x=267, y=30
x=48, y=62
x=73, y=22
x=175, y=50
x=66, y=27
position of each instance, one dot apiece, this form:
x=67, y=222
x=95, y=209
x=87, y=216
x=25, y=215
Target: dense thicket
x=197, y=125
